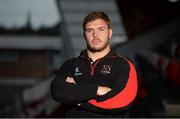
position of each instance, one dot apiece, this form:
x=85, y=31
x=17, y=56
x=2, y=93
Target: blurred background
x=37, y=36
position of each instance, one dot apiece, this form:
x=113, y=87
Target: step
x=91, y=5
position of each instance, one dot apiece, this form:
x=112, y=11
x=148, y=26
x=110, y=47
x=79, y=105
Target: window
x=9, y=56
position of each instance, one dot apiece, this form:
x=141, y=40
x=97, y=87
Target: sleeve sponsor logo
x=77, y=71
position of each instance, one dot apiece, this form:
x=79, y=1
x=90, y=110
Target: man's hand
x=70, y=80
x=102, y=90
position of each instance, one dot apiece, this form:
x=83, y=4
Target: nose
x=95, y=33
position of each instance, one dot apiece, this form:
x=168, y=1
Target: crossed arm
x=66, y=90
x=100, y=91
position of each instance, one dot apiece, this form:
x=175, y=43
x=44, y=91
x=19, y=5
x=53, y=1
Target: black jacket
x=112, y=71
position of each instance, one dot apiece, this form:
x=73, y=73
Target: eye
x=88, y=30
x=101, y=29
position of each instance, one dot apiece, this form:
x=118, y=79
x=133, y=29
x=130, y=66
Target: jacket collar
x=111, y=54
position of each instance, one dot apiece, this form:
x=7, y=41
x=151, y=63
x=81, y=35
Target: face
x=97, y=35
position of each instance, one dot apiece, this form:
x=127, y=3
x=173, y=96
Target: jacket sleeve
x=124, y=89
x=68, y=93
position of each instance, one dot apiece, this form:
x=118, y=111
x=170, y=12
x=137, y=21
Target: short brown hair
x=96, y=15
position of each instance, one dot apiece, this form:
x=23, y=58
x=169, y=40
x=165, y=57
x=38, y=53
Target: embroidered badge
x=77, y=72
x=106, y=69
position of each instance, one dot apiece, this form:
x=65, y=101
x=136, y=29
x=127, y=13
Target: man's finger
x=70, y=80
x=67, y=79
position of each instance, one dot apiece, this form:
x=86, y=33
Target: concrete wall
x=148, y=40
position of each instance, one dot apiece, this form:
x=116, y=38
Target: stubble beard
x=98, y=49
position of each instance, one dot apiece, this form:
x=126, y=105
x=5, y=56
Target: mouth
x=96, y=41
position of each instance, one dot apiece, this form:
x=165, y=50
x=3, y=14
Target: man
x=98, y=83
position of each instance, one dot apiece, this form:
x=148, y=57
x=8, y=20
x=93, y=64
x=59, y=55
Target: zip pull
x=93, y=66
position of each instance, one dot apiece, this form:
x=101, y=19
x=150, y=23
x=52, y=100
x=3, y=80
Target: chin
x=95, y=49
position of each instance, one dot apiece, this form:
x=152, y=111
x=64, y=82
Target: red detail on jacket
x=93, y=67
x=123, y=98
x=172, y=71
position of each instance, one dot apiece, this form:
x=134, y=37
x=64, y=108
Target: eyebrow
x=102, y=27
x=92, y=28
x=88, y=29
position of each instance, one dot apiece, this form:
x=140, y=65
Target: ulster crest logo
x=106, y=69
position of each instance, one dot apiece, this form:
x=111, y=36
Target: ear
x=110, y=33
x=84, y=35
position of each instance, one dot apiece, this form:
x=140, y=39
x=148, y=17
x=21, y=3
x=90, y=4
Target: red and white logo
x=106, y=69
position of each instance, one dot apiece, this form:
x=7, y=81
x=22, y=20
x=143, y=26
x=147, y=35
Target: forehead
x=96, y=23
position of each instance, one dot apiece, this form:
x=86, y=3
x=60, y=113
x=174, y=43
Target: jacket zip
x=93, y=66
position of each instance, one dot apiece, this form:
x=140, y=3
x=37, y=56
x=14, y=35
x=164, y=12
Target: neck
x=97, y=55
